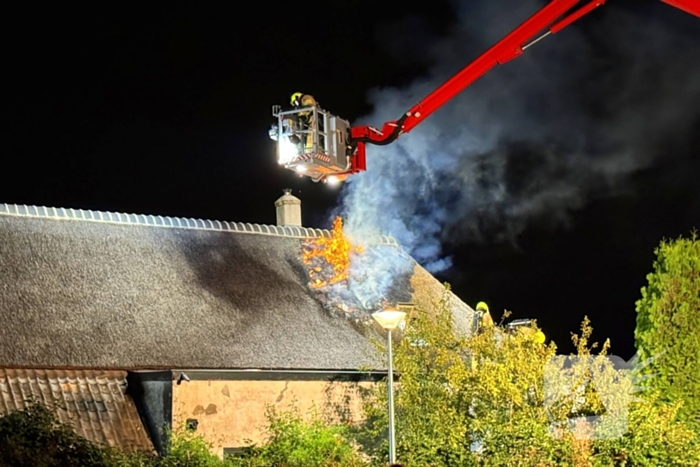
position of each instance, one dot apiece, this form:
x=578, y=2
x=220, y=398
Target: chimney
x=288, y=209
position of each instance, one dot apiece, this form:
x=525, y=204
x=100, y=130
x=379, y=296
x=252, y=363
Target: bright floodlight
x=333, y=180
x=389, y=318
x=288, y=151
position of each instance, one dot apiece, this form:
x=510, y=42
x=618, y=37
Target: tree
x=35, y=437
x=668, y=321
x=481, y=401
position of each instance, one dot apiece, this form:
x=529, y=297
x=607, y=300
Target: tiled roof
x=164, y=221
x=92, y=402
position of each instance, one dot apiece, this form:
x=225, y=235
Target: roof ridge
x=150, y=220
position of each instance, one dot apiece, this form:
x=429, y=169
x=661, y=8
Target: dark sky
x=165, y=110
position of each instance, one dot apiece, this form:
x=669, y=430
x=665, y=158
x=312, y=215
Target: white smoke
x=374, y=273
x=532, y=139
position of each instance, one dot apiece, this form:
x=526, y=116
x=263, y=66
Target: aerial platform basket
x=312, y=142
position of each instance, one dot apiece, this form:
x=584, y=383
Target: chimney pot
x=288, y=209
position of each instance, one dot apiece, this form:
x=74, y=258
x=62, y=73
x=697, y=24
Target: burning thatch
x=329, y=257
x=329, y=260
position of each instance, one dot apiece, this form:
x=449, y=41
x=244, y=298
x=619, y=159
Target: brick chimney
x=288, y=209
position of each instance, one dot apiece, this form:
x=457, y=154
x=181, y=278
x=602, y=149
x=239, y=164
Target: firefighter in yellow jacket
x=300, y=100
x=483, y=318
x=535, y=335
x=486, y=320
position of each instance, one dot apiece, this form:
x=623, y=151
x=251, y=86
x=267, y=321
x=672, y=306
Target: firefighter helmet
x=540, y=337
x=296, y=98
x=482, y=306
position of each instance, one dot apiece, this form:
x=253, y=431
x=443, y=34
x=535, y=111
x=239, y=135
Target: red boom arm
x=508, y=48
x=689, y=6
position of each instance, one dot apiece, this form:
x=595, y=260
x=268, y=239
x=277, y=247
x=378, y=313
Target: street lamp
x=389, y=318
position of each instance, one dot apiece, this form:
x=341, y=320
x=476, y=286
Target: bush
x=187, y=449
x=35, y=437
x=668, y=323
x=294, y=442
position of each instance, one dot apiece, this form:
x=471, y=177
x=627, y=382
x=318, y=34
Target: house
x=136, y=323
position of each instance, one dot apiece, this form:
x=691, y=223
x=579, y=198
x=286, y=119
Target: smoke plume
x=533, y=139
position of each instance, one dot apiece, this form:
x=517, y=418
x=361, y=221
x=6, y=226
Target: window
x=235, y=452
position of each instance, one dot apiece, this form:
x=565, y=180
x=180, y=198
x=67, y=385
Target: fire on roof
x=328, y=262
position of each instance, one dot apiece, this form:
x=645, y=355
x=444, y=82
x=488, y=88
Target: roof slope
x=100, y=290
x=92, y=402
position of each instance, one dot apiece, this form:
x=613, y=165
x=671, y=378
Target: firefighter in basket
x=306, y=118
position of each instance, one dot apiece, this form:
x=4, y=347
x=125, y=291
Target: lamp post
x=389, y=319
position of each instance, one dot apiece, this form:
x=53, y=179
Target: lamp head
x=389, y=318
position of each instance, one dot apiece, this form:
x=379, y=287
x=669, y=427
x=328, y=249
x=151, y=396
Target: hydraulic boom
x=334, y=150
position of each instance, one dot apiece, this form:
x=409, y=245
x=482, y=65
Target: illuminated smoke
x=531, y=140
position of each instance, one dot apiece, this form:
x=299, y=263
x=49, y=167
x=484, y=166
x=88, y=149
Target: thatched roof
x=82, y=289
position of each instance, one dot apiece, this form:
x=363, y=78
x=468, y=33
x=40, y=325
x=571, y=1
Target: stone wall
x=229, y=412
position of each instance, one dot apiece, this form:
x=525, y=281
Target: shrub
x=295, y=442
x=35, y=437
x=668, y=321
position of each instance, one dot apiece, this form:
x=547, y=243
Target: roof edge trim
x=150, y=220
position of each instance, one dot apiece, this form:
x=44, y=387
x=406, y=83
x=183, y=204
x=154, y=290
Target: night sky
x=166, y=110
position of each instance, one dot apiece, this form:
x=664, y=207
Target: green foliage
x=654, y=438
x=668, y=321
x=456, y=394
x=35, y=437
x=187, y=449
x=295, y=442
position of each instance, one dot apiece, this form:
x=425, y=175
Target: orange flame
x=335, y=251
